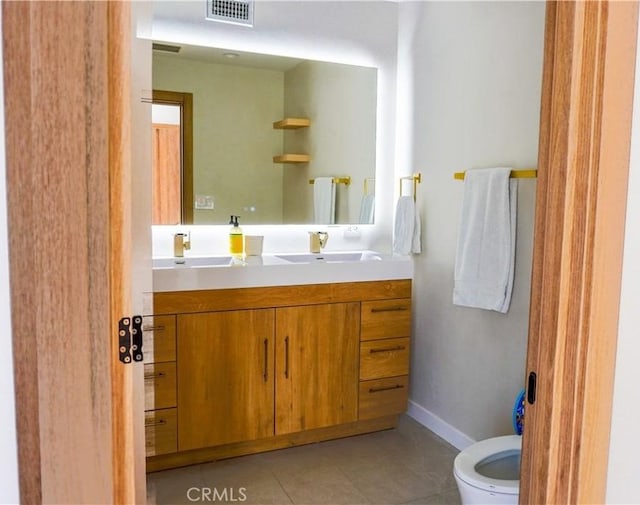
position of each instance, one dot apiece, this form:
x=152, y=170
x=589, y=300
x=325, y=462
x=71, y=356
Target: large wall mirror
x=274, y=140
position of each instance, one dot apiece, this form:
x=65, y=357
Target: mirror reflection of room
x=248, y=158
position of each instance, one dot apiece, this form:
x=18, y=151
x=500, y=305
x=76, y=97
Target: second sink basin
x=328, y=257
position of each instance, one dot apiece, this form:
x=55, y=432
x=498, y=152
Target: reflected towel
x=407, y=229
x=324, y=200
x=485, y=257
x=367, y=206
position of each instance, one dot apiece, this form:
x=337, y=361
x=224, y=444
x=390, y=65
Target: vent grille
x=167, y=48
x=239, y=12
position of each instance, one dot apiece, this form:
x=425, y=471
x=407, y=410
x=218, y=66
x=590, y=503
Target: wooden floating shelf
x=292, y=123
x=292, y=158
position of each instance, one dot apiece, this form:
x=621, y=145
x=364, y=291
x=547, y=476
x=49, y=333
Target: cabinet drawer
x=383, y=397
x=384, y=358
x=159, y=343
x=386, y=319
x=160, y=432
x=159, y=385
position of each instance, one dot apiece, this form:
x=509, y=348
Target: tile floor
x=407, y=465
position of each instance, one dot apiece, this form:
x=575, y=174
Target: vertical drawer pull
x=154, y=328
x=265, y=375
x=159, y=422
x=388, y=349
x=286, y=357
x=388, y=388
x=398, y=308
x=152, y=376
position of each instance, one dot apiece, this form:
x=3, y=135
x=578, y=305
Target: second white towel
x=485, y=257
x=407, y=229
x=324, y=200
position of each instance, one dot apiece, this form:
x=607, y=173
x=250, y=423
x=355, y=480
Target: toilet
x=488, y=472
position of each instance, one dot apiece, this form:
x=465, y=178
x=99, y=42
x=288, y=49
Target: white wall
x=470, y=73
x=354, y=32
x=9, y=492
x=623, y=485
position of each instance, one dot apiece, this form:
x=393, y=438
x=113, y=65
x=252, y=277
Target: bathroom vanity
x=238, y=370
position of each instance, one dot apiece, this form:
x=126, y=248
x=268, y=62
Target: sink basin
x=204, y=261
x=346, y=257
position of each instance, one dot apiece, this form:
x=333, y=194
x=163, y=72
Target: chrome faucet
x=181, y=241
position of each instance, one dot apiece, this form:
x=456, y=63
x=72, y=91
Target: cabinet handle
x=152, y=376
x=388, y=349
x=159, y=422
x=286, y=357
x=388, y=388
x=266, y=360
x=154, y=328
x=398, y=308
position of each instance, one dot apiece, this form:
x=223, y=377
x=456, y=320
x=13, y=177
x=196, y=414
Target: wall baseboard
x=440, y=427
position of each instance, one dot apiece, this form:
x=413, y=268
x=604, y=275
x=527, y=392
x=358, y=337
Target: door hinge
x=130, y=339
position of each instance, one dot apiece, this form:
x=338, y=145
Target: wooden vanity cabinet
x=265, y=368
x=159, y=349
x=225, y=377
x=384, y=357
x=316, y=366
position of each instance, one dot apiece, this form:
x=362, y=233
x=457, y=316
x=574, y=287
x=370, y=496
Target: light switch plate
x=204, y=202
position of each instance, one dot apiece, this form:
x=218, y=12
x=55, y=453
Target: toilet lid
x=466, y=461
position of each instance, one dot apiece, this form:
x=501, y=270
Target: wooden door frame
x=185, y=102
x=583, y=164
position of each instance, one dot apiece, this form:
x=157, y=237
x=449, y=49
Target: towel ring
x=416, y=178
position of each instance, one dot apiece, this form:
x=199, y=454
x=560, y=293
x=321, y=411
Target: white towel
x=407, y=230
x=367, y=206
x=485, y=258
x=324, y=200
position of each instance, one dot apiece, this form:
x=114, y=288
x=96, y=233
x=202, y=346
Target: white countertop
x=273, y=270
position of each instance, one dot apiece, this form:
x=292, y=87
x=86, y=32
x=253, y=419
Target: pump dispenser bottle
x=236, y=239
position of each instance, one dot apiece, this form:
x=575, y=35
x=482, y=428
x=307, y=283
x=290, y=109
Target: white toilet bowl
x=488, y=472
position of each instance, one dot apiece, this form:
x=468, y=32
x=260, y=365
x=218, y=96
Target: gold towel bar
x=416, y=178
x=527, y=173
x=336, y=180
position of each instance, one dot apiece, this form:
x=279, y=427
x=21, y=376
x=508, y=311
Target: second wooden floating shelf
x=292, y=158
x=292, y=123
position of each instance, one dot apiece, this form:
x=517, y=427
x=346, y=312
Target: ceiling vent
x=166, y=48
x=237, y=12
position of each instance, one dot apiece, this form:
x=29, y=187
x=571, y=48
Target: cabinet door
x=316, y=366
x=225, y=377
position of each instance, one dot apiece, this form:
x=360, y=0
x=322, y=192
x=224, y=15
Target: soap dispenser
x=236, y=239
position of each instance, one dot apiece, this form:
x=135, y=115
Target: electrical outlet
x=352, y=232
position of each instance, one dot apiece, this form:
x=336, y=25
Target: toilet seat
x=466, y=461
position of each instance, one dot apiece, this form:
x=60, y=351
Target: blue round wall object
x=518, y=413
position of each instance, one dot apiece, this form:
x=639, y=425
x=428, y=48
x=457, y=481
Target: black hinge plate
x=130, y=338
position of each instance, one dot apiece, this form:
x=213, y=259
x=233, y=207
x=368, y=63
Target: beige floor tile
x=173, y=486
x=321, y=485
x=450, y=497
x=247, y=477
